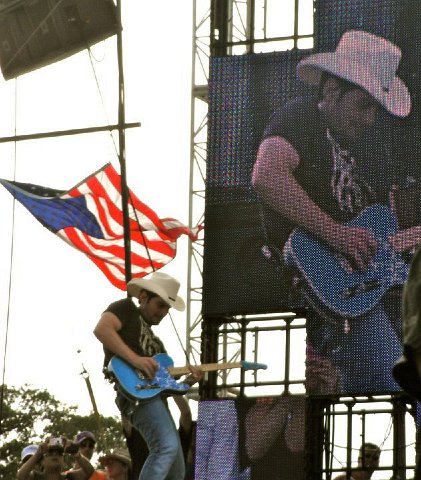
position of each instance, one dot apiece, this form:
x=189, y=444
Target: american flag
x=89, y=218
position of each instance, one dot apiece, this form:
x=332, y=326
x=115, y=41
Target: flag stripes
x=89, y=218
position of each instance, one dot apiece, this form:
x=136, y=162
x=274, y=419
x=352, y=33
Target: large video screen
x=313, y=192
x=251, y=439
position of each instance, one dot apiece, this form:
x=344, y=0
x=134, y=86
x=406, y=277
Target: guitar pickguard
x=349, y=294
x=138, y=387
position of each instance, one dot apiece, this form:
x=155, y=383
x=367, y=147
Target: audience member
x=117, y=465
x=27, y=453
x=50, y=456
x=84, y=443
x=368, y=462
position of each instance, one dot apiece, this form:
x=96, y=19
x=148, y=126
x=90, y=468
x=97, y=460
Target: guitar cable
x=179, y=340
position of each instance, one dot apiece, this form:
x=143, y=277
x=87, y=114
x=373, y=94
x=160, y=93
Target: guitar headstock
x=253, y=365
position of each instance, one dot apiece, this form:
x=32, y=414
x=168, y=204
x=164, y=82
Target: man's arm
x=106, y=332
x=25, y=471
x=270, y=419
x=185, y=412
x=273, y=179
x=86, y=469
x=407, y=239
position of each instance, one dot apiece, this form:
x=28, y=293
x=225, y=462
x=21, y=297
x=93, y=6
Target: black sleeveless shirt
x=301, y=123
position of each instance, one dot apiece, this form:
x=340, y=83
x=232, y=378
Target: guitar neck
x=206, y=367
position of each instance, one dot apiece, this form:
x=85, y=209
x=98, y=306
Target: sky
x=51, y=295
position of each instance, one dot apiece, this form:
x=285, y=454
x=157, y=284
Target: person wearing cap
x=125, y=330
x=314, y=171
x=27, y=453
x=84, y=443
x=117, y=465
x=49, y=455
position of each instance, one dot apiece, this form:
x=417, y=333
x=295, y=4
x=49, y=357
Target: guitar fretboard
x=206, y=367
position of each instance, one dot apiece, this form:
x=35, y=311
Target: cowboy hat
x=365, y=60
x=120, y=454
x=160, y=283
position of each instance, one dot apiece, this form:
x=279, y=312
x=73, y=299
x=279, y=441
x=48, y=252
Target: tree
x=28, y=415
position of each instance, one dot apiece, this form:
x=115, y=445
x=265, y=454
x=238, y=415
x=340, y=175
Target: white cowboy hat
x=366, y=60
x=120, y=454
x=160, y=283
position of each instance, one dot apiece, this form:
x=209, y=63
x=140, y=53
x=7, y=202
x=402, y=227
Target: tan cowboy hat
x=366, y=60
x=120, y=454
x=160, y=283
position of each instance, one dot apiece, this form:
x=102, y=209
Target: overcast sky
x=56, y=294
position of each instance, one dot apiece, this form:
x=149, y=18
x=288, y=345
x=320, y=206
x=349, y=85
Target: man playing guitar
x=311, y=169
x=126, y=331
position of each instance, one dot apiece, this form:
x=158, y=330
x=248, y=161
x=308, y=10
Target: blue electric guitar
x=330, y=285
x=137, y=387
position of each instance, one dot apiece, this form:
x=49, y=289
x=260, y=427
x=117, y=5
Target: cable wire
x=3, y=386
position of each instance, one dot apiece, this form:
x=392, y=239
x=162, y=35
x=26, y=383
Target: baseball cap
x=28, y=452
x=81, y=436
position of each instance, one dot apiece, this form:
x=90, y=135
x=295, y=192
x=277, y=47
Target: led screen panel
x=251, y=439
x=310, y=195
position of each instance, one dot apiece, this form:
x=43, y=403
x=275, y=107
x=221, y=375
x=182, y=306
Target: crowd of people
x=46, y=461
x=50, y=459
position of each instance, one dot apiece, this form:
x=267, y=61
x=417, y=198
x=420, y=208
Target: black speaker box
x=35, y=33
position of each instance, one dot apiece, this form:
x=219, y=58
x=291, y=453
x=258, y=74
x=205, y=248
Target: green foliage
x=28, y=415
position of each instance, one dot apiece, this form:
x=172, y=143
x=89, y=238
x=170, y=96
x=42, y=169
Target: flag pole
x=122, y=148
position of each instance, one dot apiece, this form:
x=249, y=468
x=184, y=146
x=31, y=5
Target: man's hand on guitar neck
x=356, y=246
x=195, y=376
x=406, y=240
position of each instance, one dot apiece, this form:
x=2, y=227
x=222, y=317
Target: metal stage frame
x=233, y=27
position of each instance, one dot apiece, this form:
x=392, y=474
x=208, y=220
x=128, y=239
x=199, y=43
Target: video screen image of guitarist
x=329, y=173
x=344, y=247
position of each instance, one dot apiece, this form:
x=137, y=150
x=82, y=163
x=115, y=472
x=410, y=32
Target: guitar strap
x=349, y=189
x=149, y=342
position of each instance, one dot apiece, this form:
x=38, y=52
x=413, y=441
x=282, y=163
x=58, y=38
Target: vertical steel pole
x=122, y=147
